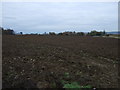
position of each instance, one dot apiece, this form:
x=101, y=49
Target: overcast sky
x=40, y=17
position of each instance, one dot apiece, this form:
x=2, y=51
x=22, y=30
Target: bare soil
x=33, y=61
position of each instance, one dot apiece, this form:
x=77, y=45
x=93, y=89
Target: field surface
x=34, y=61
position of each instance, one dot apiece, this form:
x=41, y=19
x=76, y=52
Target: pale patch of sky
x=40, y=17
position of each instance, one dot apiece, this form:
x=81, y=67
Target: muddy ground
x=33, y=61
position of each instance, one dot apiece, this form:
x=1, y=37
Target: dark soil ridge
x=44, y=65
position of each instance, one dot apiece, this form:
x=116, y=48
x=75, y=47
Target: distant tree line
x=66, y=33
x=7, y=31
x=92, y=33
x=96, y=33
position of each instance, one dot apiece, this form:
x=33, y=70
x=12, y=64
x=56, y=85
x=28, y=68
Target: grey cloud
x=40, y=17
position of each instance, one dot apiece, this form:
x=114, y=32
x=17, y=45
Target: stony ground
x=33, y=61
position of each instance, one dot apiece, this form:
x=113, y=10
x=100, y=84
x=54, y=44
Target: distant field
x=113, y=36
x=56, y=61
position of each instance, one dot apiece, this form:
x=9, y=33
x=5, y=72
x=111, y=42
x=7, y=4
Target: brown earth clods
x=34, y=61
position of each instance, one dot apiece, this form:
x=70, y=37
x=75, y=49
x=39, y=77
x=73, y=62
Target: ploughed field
x=34, y=61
